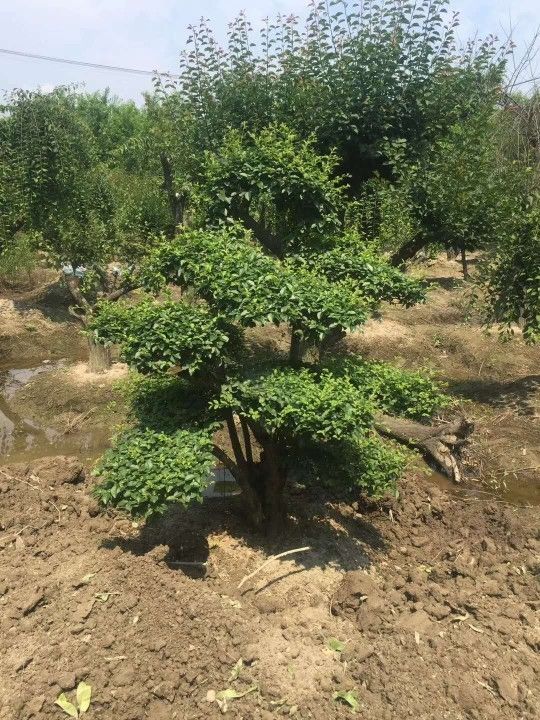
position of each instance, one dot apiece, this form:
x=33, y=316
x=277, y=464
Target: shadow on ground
x=519, y=395
x=52, y=300
x=338, y=537
x=445, y=283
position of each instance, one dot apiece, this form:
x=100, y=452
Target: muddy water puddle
x=22, y=439
x=511, y=490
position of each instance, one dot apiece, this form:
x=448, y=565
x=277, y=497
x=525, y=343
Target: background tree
x=16, y=252
x=510, y=277
x=455, y=192
x=68, y=200
x=84, y=190
x=358, y=77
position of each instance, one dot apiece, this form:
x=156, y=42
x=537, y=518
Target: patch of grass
x=19, y=256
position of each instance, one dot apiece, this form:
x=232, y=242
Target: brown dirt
x=35, y=324
x=435, y=598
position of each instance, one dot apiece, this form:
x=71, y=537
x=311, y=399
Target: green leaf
x=146, y=471
x=66, y=706
x=223, y=696
x=335, y=644
x=347, y=697
x=237, y=669
x=84, y=693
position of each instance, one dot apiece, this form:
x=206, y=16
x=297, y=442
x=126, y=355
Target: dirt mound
x=424, y=607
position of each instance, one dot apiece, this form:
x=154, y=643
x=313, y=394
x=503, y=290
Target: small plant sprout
x=334, y=644
x=236, y=670
x=223, y=697
x=82, y=699
x=347, y=697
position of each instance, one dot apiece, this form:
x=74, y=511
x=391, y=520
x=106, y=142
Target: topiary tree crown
x=271, y=408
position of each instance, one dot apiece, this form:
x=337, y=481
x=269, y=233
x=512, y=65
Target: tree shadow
x=52, y=301
x=517, y=395
x=337, y=536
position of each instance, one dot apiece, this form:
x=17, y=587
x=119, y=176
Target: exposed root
x=439, y=444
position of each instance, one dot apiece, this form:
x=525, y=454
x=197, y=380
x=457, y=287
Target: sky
x=149, y=34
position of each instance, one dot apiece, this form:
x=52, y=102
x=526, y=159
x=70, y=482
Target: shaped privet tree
x=201, y=374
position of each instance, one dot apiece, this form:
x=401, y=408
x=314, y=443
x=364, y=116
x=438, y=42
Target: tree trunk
x=464, y=264
x=274, y=478
x=99, y=356
x=176, y=202
x=272, y=243
x=262, y=483
x=439, y=444
x=296, y=349
x=330, y=340
x=253, y=504
x=251, y=499
x=451, y=252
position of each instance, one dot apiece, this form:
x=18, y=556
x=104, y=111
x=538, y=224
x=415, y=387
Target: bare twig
x=15, y=534
x=269, y=560
x=72, y=424
x=25, y=482
x=486, y=686
x=476, y=629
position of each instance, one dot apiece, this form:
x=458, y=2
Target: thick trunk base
x=264, y=501
x=438, y=444
x=266, y=515
x=99, y=357
x=408, y=251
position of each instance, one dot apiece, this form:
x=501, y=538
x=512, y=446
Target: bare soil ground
x=495, y=383
x=35, y=324
x=433, y=596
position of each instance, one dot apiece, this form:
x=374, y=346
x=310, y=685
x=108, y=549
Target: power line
x=98, y=66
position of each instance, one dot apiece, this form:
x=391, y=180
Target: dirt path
x=435, y=600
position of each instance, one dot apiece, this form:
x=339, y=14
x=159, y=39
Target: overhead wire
x=82, y=63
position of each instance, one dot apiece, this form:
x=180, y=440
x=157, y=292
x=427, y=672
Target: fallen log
x=439, y=444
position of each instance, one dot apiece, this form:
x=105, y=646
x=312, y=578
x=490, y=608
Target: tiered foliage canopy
x=234, y=279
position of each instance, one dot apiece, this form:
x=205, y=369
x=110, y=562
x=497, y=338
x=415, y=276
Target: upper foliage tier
x=233, y=274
